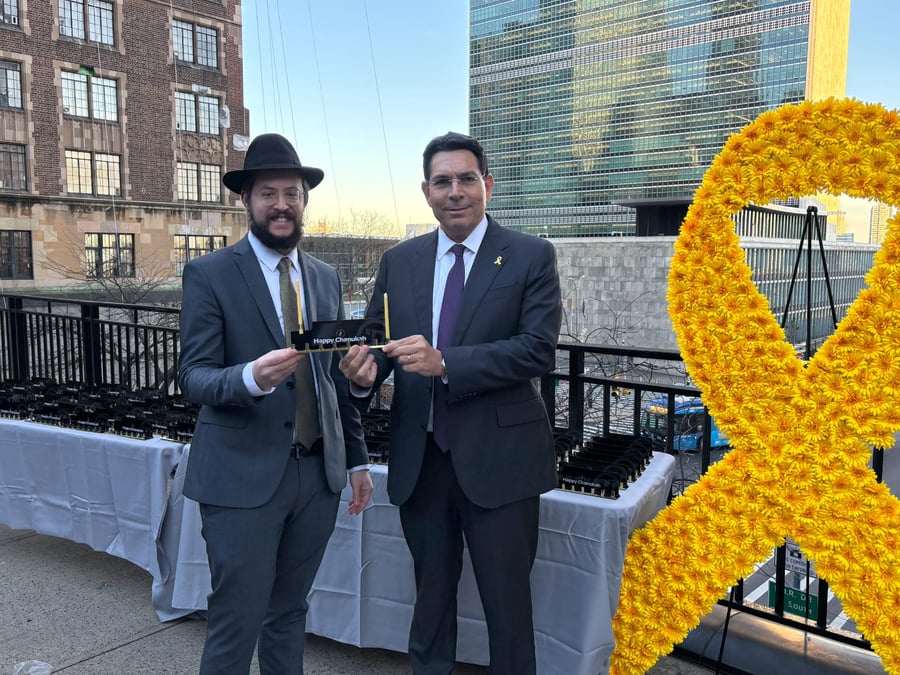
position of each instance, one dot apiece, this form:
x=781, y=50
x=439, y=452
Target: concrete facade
x=57, y=227
x=614, y=288
x=621, y=282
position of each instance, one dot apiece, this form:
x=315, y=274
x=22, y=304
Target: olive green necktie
x=306, y=421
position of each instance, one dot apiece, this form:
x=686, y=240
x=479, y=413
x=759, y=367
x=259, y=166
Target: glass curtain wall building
x=585, y=104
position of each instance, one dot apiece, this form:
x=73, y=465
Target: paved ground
x=88, y=613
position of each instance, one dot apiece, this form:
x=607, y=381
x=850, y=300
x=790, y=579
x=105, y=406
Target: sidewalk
x=88, y=613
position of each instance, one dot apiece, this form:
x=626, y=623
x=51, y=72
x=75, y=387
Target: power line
x=285, y=69
x=312, y=29
x=381, y=115
x=278, y=112
x=262, y=81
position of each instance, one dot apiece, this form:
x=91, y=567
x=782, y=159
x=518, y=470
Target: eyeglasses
x=291, y=196
x=445, y=183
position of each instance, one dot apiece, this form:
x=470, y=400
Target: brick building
x=117, y=121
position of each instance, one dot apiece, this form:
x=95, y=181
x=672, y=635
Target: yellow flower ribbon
x=801, y=436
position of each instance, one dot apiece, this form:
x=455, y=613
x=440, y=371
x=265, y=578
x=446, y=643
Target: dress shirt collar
x=472, y=242
x=269, y=257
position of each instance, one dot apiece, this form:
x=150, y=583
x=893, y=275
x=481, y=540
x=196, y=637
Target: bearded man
x=276, y=434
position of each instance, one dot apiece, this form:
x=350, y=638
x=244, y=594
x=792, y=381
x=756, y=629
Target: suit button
x=290, y=384
x=288, y=425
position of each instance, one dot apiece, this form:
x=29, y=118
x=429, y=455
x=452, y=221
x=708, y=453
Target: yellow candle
x=299, y=308
x=387, y=319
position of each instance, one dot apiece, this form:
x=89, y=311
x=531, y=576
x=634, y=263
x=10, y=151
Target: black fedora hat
x=271, y=152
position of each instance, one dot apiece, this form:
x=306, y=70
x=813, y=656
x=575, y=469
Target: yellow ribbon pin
x=499, y=260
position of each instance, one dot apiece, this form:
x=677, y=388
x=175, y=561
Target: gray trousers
x=262, y=563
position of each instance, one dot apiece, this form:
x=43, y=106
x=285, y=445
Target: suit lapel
x=310, y=287
x=488, y=263
x=248, y=266
x=422, y=272
x=310, y=281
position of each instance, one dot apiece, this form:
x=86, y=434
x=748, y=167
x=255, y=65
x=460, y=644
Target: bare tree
x=132, y=282
x=123, y=276
x=354, y=247
x=618, y=323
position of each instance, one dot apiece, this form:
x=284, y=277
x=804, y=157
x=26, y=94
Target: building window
x=10, y=84
x=186, y=178
x=207, y=47
x=210, y=177
x=198, y=182
x=89, y=96
x=85, y=170
x=10, y=10
x=104, y=105
x=78, y=172
x=195, y=44
x=100, y=23
x=12, y=167
x=108, y=255
x=92, y=20
x=193, y=112
x=109, y=183
x=188, y=247
x=185, y=112
x=15, y=255
x=208, y=113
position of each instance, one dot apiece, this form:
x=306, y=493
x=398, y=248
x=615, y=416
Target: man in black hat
x=276, y=434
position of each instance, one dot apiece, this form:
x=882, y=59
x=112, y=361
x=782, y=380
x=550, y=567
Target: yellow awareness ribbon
x=801, y=434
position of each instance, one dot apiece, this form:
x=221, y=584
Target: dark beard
x=285, y=243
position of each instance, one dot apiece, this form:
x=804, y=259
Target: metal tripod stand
x=806, y=240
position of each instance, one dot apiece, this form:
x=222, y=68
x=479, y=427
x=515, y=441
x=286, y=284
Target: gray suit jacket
x=242, y=443
x=504, y=338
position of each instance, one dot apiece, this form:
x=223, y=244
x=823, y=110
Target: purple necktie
x=449, y=307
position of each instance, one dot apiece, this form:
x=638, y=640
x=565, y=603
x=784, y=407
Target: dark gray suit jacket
x=242, y=443
x=504, y=338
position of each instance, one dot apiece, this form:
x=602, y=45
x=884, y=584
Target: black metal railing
x=596, y=392
x=92, y=343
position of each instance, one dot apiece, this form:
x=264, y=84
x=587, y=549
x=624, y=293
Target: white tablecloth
x=364, y=592
x=106, y=491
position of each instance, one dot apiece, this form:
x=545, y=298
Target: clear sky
x=366, y=88
x=871, y=76
x=360, y=86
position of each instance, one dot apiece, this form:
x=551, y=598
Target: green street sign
x=795, y=601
